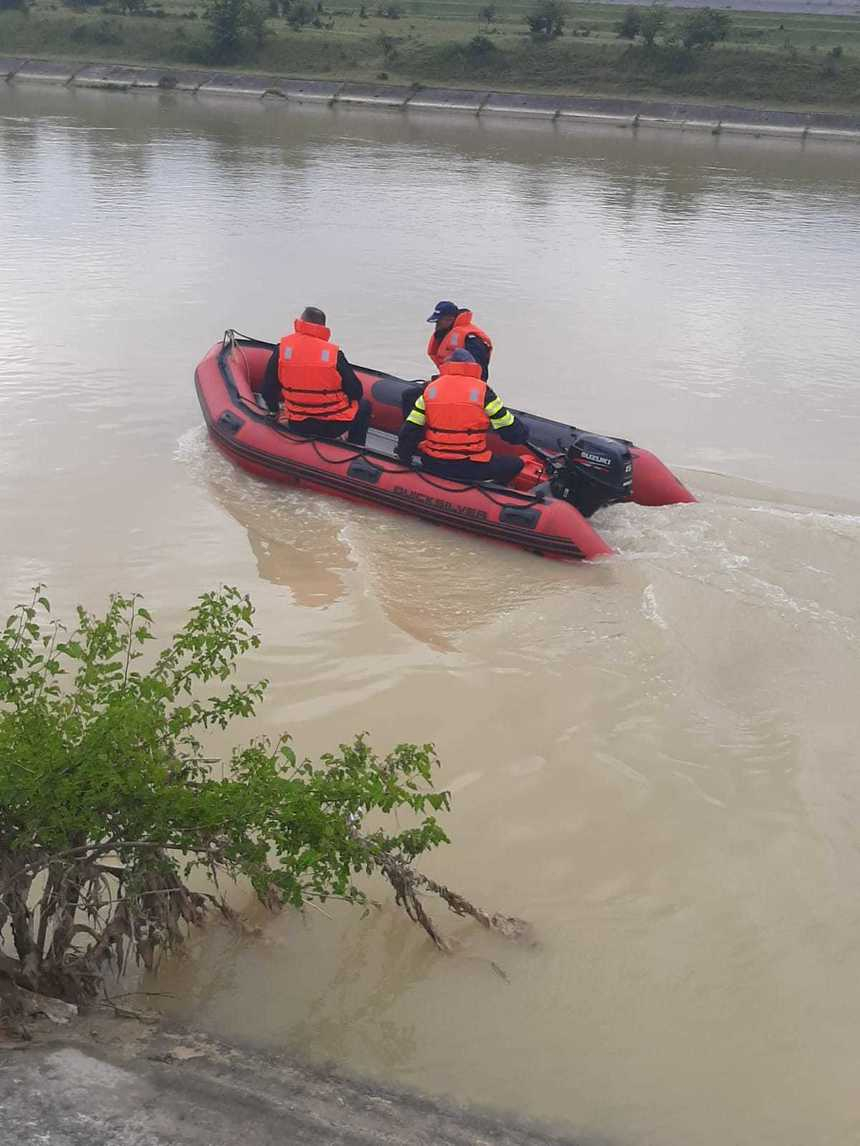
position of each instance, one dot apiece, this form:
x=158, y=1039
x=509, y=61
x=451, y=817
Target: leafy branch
x=109, y=804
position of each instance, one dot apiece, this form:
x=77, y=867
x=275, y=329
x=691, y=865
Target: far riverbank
x=787, y=63
x=631, y=114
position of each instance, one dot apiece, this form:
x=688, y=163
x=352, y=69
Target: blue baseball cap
x=444, y=309
x=462, y=356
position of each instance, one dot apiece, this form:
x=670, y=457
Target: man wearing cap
x=454, y=330
x=322, y=396
x=449, y=422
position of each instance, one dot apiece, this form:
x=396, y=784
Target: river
x=653, y=759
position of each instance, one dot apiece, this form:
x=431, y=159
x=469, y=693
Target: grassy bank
x=777, y=60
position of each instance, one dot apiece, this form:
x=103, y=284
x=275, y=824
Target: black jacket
x=270, y=391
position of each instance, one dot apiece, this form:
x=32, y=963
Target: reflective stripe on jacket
x=455, y=339
x=309, y=378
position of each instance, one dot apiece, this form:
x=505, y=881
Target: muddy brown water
x=654, y=759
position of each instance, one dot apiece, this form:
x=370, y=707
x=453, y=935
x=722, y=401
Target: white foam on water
x=191, y=446
x=650, y=609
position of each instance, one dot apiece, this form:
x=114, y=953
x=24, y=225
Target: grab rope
x=451, y=485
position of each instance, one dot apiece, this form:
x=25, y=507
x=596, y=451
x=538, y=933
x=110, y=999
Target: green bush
x=546, y=20
x=100, y=32
x=704, y=27
x=653, y=22
x=300, y=15
x=481, y=47
x=237, y=29
x=630, y=25
x=110, y=800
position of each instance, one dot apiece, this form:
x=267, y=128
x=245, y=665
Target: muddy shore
x=110, y=1079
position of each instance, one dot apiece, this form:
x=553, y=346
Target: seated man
x=453, y=329
x=321, y=395
x=449, y=425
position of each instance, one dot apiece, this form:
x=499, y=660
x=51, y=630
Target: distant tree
x=653, y=21
x=704, y=27
x=235, y=26
x=480, y=48
x=487, y=14
x=300, y=15
x=388, y=46
x=631, y=24
x=546, y=19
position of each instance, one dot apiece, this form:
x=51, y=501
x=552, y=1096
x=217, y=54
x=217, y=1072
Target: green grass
x=777, y=60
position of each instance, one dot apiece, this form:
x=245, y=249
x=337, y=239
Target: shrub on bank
x=110, y=798
x=724, y=73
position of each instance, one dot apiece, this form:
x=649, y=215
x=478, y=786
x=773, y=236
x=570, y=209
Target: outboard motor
x=596, y=472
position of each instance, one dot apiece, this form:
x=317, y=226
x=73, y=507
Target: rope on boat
x=346, y=459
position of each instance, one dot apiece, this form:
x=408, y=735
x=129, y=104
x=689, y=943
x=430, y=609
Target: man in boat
x=320, y=392
x=449, y=422
x=453, y=330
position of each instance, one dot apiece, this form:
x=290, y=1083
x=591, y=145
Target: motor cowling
x=596, y=472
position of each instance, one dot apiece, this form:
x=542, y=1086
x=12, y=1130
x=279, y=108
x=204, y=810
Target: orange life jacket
x=307, y=372
x=455, y=339
x=456, y=424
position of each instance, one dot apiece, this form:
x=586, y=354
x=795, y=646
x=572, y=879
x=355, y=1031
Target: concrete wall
x=569, y=110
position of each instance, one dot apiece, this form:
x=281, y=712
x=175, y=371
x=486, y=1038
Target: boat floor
x=381, y=442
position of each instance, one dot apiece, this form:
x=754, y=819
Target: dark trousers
x=318, y=428
x=501, y=469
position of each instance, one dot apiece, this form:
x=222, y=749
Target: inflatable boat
x=573, y=473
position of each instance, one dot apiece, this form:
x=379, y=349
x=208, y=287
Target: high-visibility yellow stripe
x=416, y=416
x=507, y=419
x=493, y=407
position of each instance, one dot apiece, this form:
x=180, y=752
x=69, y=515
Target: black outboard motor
x=596, y=472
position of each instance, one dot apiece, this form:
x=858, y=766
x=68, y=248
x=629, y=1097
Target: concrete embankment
x=631, y=114
x=109, y=1080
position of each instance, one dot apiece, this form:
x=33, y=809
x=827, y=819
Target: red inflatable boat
x=575, y=473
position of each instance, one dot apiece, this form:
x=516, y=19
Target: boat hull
x=227, y=379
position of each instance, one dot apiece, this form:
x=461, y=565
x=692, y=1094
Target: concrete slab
x=104, y=76
x=449, y=99
x=595, y=118
x=9, y=66
x=762, y=130
x=237, y=85
x=516, y=103
x=179, y=80
x=379, y=95
x=307, y=91
x=123, y=76
x=701, y=125
x=47, y=71
x=850, y=135
x=151, y=77
x=661, y=121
